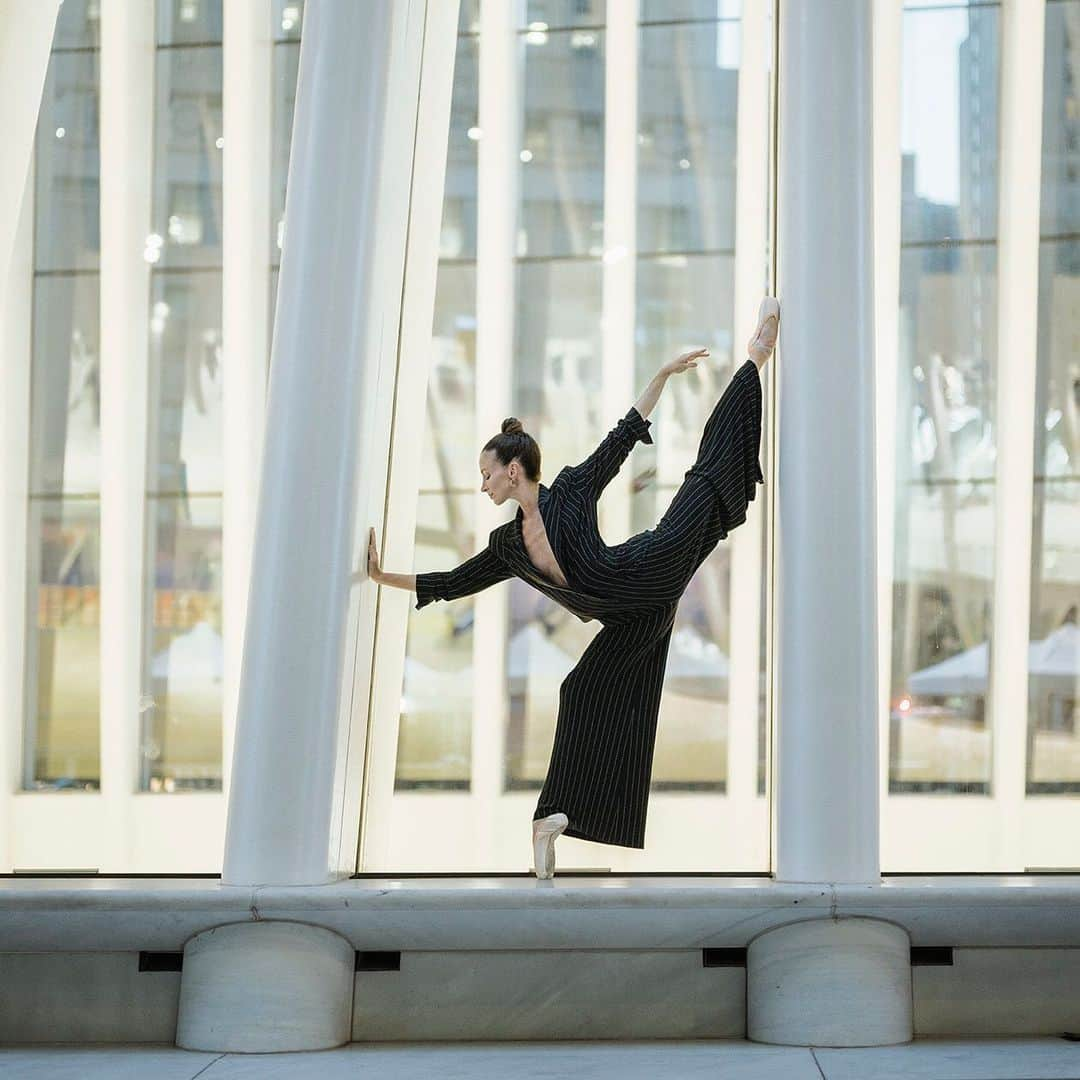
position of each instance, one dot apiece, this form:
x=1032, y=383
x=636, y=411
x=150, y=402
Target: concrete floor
x=924, y=1059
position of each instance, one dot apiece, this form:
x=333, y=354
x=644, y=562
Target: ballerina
x=597, y=785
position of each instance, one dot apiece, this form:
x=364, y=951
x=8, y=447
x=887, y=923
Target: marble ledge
x=613, y=912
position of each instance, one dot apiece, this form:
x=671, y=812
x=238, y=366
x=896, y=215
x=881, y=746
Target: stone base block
x=263, y=987
x=830, y=982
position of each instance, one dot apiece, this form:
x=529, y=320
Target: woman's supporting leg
x=601, y=758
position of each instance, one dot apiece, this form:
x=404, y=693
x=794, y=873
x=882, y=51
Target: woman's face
x=495, y=477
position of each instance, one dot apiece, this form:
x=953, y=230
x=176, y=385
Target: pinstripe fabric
x=601, y=759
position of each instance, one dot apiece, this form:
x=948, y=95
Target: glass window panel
x=1053, y=765
x=684, y=302
x=557, y=351
x=944, y=521
x=189, y=22
x=1060, y=200
x=63, y=655
x=187, y=169
x=288, y=19
x=555, y=13
x=67, y=168
x=186, y=385
x=468, y=17
x=562, y=152
x=916, y=5
x=678, y=10
x=286, y=64
x=458, y=236
x=180, y=707
x=450, y=453
x=948, y=361
x=65, y=394
x=687, y=108
x=949, y=123
x=78, y=24
x=435, y=728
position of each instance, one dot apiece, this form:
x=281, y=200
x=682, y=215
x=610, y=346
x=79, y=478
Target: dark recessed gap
x=931, y=955
x=723, y=957
x=161, y=961
x=377, y=961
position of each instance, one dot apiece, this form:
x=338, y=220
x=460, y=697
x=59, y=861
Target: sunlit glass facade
x=607, y=205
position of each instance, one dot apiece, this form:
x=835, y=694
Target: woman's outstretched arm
x=597, y=470
x=480, y=572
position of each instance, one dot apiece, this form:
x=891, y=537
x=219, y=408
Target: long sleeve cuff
x=639, y=426
x=429, y=586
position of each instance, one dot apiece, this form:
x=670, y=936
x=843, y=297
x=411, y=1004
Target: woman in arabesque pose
x=597, y=785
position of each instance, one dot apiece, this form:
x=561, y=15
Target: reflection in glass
x=677, y=10
x=186, y=384
x=949, y=123
x=180, y=706
x=288, y=18
x=63, y=658
x=78, y=25
x=180, y=712
x=67, y=169
x=557, y=354
x=687, y=108
x=188, y=22
x=561, y=160
x=944, y=521
x=1053, y=738
x=449, y=458
x=187, y=169
x=1059, y=203
x=65, y=394
x=435, y=727
x=458, y=236
x=541, y=14
x=286, y=63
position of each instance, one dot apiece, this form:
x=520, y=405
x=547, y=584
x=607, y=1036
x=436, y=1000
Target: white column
x=618, y=315
x=127, y=104
x=1022, y=28
x=16, y=320
x=26, y=34
x=751, y=283
x=406, y=437
x=283, y=796
x=888, y=35
x=247, y=97
x=498, y=166
x=827, y=741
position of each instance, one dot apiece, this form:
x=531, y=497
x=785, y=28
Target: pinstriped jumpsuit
x=601, y=759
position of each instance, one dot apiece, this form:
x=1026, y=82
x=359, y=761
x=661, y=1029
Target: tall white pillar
x=127, y=127
x=245, y=298
x=283, y=795
x=827, y=741
x=1022, y=32
x=26, y=34
x=497, y=178
x=827, y=982
x=618, y=317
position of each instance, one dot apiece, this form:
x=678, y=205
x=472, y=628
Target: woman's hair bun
x=512, y=426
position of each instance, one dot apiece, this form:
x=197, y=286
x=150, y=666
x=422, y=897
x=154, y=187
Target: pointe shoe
x=545, y=830
x=761, y=345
